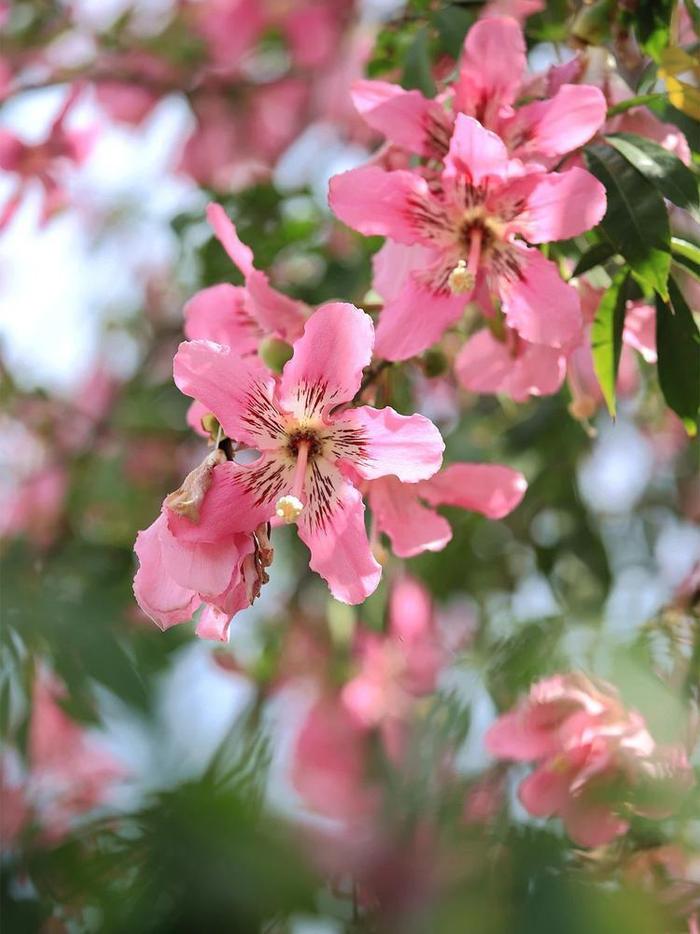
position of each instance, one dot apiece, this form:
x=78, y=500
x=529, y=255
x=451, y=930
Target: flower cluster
x=597, y=763
x=318, y=455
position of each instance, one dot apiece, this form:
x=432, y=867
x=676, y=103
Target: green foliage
x=606, y=336
x=665, y=171
x=678, y=345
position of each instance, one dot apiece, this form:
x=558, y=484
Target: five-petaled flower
x=466, y=232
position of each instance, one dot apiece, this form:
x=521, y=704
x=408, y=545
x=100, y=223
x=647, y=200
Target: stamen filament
x=462, y=279
x=289, y=507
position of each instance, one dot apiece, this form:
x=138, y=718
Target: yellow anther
x=461, y=280
x=288, y=508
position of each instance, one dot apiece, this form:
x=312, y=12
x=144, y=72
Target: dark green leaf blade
x=636, y=221
x=598, y=254
x=665, y=171
x=606, y=337
x=678, y=347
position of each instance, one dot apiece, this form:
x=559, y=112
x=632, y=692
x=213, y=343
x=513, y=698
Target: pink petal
x=165, y=601
x=399, y=513
x=213, y=624
x=490, y=489
x=540, y=306
x=415, y=320
x=515, y=735
x=205, y=567
x=219, y=314
x=238, y=390
x=381, y=203
x=592, y=824
x=546, y=791
x=640, y=329
x=337, y=539
x=557, y=205
x=407, y=446
x=475, y=152
x=410, y=610
x=326, y=368
x=492, y=67
x=225, y=231
x=195, y=414
x=406, y=118
x=559, y=125
x=486, y=365
x=277, y=313
x=231, y=504
x=392, y=264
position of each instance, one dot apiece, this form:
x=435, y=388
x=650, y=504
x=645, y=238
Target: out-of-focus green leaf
x=687, y=255
x=651, y=20
x=598, y=254
x=417, y=68
x=678, y=347
x=606, y=336
x=636, y=221
x=662, y=168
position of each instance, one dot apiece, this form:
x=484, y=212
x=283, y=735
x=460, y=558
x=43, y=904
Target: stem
x=371, y=376
x=638, y=101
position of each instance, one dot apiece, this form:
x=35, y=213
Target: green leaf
x=417, y=70
x=606, y=337
x=665, y=171
x=598, y=254
x=638, y=100
x=686, y=255
x=678, y=347
x=636, y=221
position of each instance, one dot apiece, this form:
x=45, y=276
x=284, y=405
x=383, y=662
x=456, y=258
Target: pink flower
x=406, y=511
x=465, y=229
x=491, y=75
x=314, y=451
x=397, y=667
x=69, y=773
x=510, y=367
x=595, y=759
x=44, y=161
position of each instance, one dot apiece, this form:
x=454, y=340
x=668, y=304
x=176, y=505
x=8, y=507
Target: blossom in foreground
x=597, y=763
x=69, y=773
x=313, y=451
x=491, y=77
x=406, y=512
x=467, y=241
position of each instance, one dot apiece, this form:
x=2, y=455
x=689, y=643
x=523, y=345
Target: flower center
x=303, y=444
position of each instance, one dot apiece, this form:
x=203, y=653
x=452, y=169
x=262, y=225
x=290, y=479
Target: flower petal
x=326, y=368
x=486, y=365
x=389, y=204
x=546, y=791
x=219, y=314
x=205, y=567
x=282, y=316
x=492, y=67
x=158, y=595
x=557, y=205
x=333, y=529
x=398, y=512
x=409, y=447
x=475, y=152
x=490, y=489
x=416, y=319
x=540, y=306
x=406, y=118
x=558, y=125
x=238, y=390
x=225, y=231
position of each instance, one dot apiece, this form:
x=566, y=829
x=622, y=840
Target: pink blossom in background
x=466, y=230
x=595, y=760
x=69, y=773
x=45, y=162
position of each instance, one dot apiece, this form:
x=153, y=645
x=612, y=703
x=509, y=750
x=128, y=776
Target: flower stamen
x=289, y=507
x=462, y=279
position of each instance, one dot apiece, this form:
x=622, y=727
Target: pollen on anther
x=288, y=508
x=461, y=280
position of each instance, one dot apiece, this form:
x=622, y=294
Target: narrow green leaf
x=636, y=221
x=417, y=70
x=678, y=347
x=665, y=171
x=638, y=100
x=687, y=248
x=606, y=336
x=598, y=254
